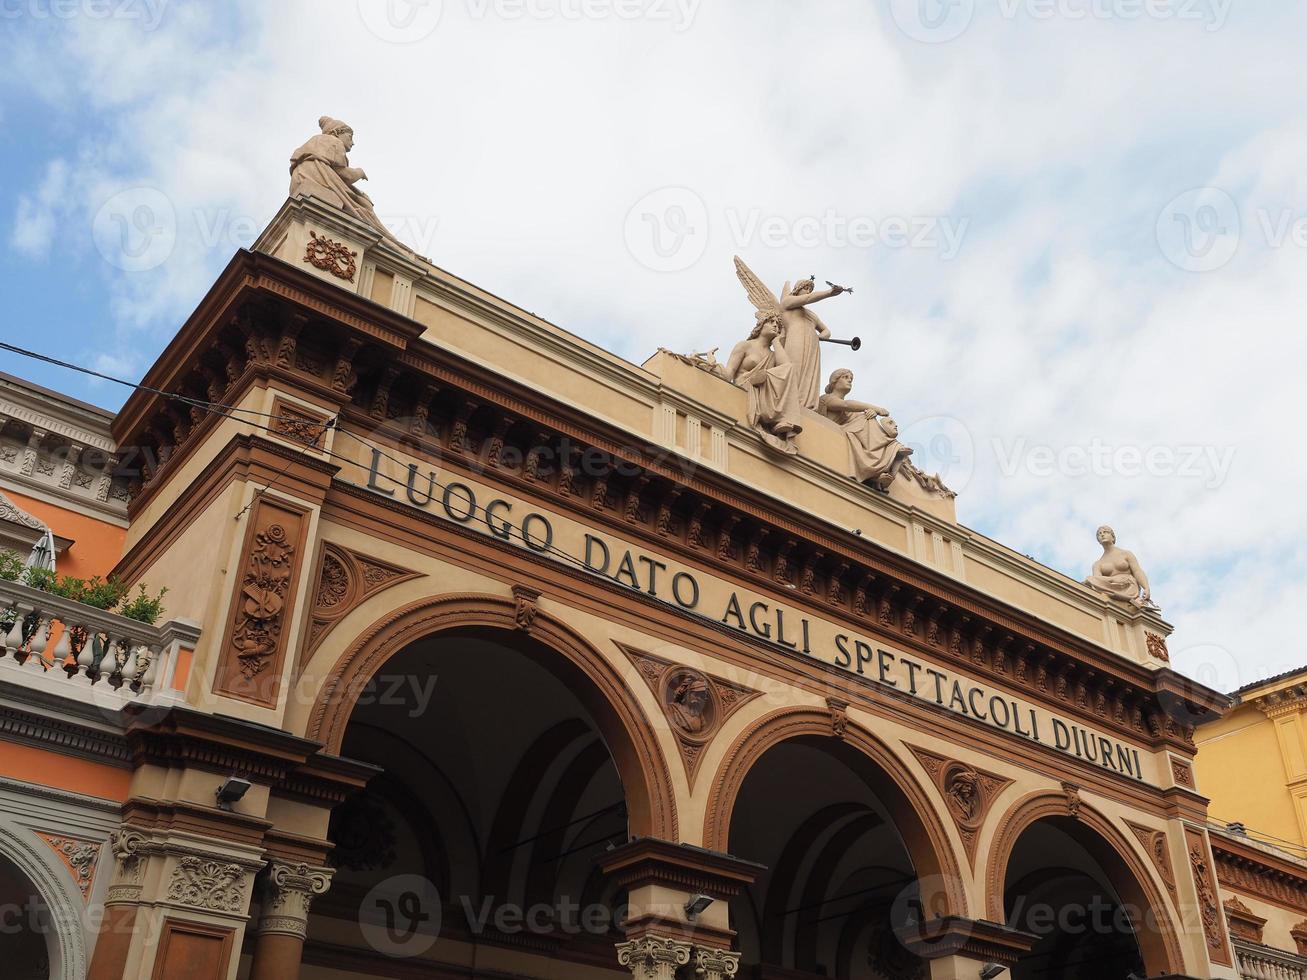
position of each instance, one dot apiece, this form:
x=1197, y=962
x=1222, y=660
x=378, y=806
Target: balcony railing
x=1258, y=962
x=58, y=640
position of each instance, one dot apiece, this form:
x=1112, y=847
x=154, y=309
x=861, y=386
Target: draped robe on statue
x=804, y=350
x=320, y=168
x=773, y=400
x=873, y=450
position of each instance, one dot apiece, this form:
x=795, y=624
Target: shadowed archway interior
x=25, y=925
x=839, y=877
x=1059, y=890
x=497, y=788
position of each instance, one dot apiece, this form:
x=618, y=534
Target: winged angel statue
x=764, y=369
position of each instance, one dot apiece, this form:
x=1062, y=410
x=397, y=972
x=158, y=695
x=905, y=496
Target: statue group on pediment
x=779, y=367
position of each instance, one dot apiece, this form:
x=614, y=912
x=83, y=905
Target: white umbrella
x=42, y=555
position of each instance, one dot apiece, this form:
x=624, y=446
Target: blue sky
x=1077, y=232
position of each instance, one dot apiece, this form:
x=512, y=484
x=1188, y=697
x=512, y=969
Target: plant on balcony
x=11, y=566
x=143, y=607
x=99, y=593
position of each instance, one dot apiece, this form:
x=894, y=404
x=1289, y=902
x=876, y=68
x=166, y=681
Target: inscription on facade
x=661, y=578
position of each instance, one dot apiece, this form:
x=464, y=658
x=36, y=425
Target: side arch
x=646, y=779
x=923, y=831
x=66, y=945
x=1126, y=870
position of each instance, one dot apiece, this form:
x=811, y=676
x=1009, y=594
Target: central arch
x=857, y=852
x=625, y=727
x=923, y=831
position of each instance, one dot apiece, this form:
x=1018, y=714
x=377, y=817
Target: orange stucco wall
x=34, y=765
x=97, y=545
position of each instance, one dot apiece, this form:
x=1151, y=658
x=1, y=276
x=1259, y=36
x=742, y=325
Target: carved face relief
x=890, y=427
x=689, y=701
x=963, y=791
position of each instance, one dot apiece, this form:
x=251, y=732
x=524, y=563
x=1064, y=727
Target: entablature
x=366, y=371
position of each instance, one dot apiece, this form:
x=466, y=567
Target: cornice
x=69, y=734
x=648, y=861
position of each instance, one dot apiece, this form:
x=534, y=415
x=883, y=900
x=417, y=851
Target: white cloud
x=525, y=142
x=34, y=223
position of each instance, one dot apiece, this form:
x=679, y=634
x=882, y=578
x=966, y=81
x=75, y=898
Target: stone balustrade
x=1258, y=962
x=54, y=638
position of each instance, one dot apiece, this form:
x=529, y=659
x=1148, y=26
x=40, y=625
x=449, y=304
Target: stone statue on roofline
x=874, y=446
x=1117, y=574
x=876, y=455
x=761, y=366
x=320, y=168
x=801, y=329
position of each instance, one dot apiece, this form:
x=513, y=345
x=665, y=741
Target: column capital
x=653, y=958
x=287, y=891
x=715, y=964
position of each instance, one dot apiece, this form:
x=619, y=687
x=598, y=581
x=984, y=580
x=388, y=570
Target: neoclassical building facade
x=489, y=654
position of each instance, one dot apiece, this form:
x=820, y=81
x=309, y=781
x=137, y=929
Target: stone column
x=652, y=957
x=287, y=892
x=715, y=964
x=177, y=905
x=113, y=944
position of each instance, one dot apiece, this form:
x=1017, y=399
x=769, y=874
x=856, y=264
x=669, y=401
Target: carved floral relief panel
x=346, y=578
x=266, y=579
x=80, y=857
x=1209, y=907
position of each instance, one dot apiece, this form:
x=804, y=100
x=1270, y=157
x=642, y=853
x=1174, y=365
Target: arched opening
x=1058, y=891
x=27, y=946
x=501, y=785
x=1074, y=882
x=851, y=855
